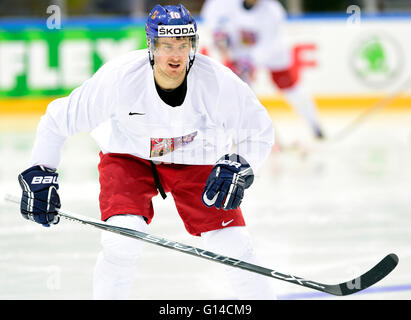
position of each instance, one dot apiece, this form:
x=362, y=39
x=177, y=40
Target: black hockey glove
x=228, y=179
x=40, y=199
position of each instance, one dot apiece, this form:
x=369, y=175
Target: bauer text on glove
x=40, y=199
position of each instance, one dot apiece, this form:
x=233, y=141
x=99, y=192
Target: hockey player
x=250, y=34
x=165, y=119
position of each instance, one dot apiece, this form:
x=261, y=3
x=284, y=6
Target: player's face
x=171, y=55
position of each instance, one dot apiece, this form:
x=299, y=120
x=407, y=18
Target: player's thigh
x=198, y=218
x=126, y=186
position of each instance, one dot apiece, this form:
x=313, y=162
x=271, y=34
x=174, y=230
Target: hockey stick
x=378, y=272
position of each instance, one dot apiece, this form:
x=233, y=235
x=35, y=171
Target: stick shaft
x=339, y=289
x=181, y=247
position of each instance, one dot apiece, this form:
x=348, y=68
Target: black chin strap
x=190, y=64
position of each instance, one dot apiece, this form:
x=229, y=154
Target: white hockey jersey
x=257, y=35
x=121, y=106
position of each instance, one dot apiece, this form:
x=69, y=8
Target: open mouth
x=174, y=65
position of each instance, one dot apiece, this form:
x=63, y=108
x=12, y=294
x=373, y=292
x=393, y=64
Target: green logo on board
x=377, y=60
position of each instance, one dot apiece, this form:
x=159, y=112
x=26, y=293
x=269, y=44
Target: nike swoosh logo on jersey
x=224, y=224
x=135, y=113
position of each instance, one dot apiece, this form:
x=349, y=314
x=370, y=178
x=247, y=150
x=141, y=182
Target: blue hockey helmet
x=171, y=21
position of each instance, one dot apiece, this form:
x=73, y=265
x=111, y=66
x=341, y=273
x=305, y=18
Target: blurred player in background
x=165, y=120
x=250, y=34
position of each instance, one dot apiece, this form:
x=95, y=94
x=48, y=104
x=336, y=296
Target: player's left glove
x=225, y=186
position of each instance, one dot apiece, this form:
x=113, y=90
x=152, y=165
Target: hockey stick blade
x=366, y=280
x=378, y=272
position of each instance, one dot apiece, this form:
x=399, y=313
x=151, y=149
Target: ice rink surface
x=327, y=214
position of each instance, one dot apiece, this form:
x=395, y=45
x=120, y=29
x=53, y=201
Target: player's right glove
x=40, y=198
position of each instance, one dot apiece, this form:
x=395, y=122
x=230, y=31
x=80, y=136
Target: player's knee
x=285, y=79
x=234, y=242
x=120, y=249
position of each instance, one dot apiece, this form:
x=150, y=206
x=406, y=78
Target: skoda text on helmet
x=171, y=21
